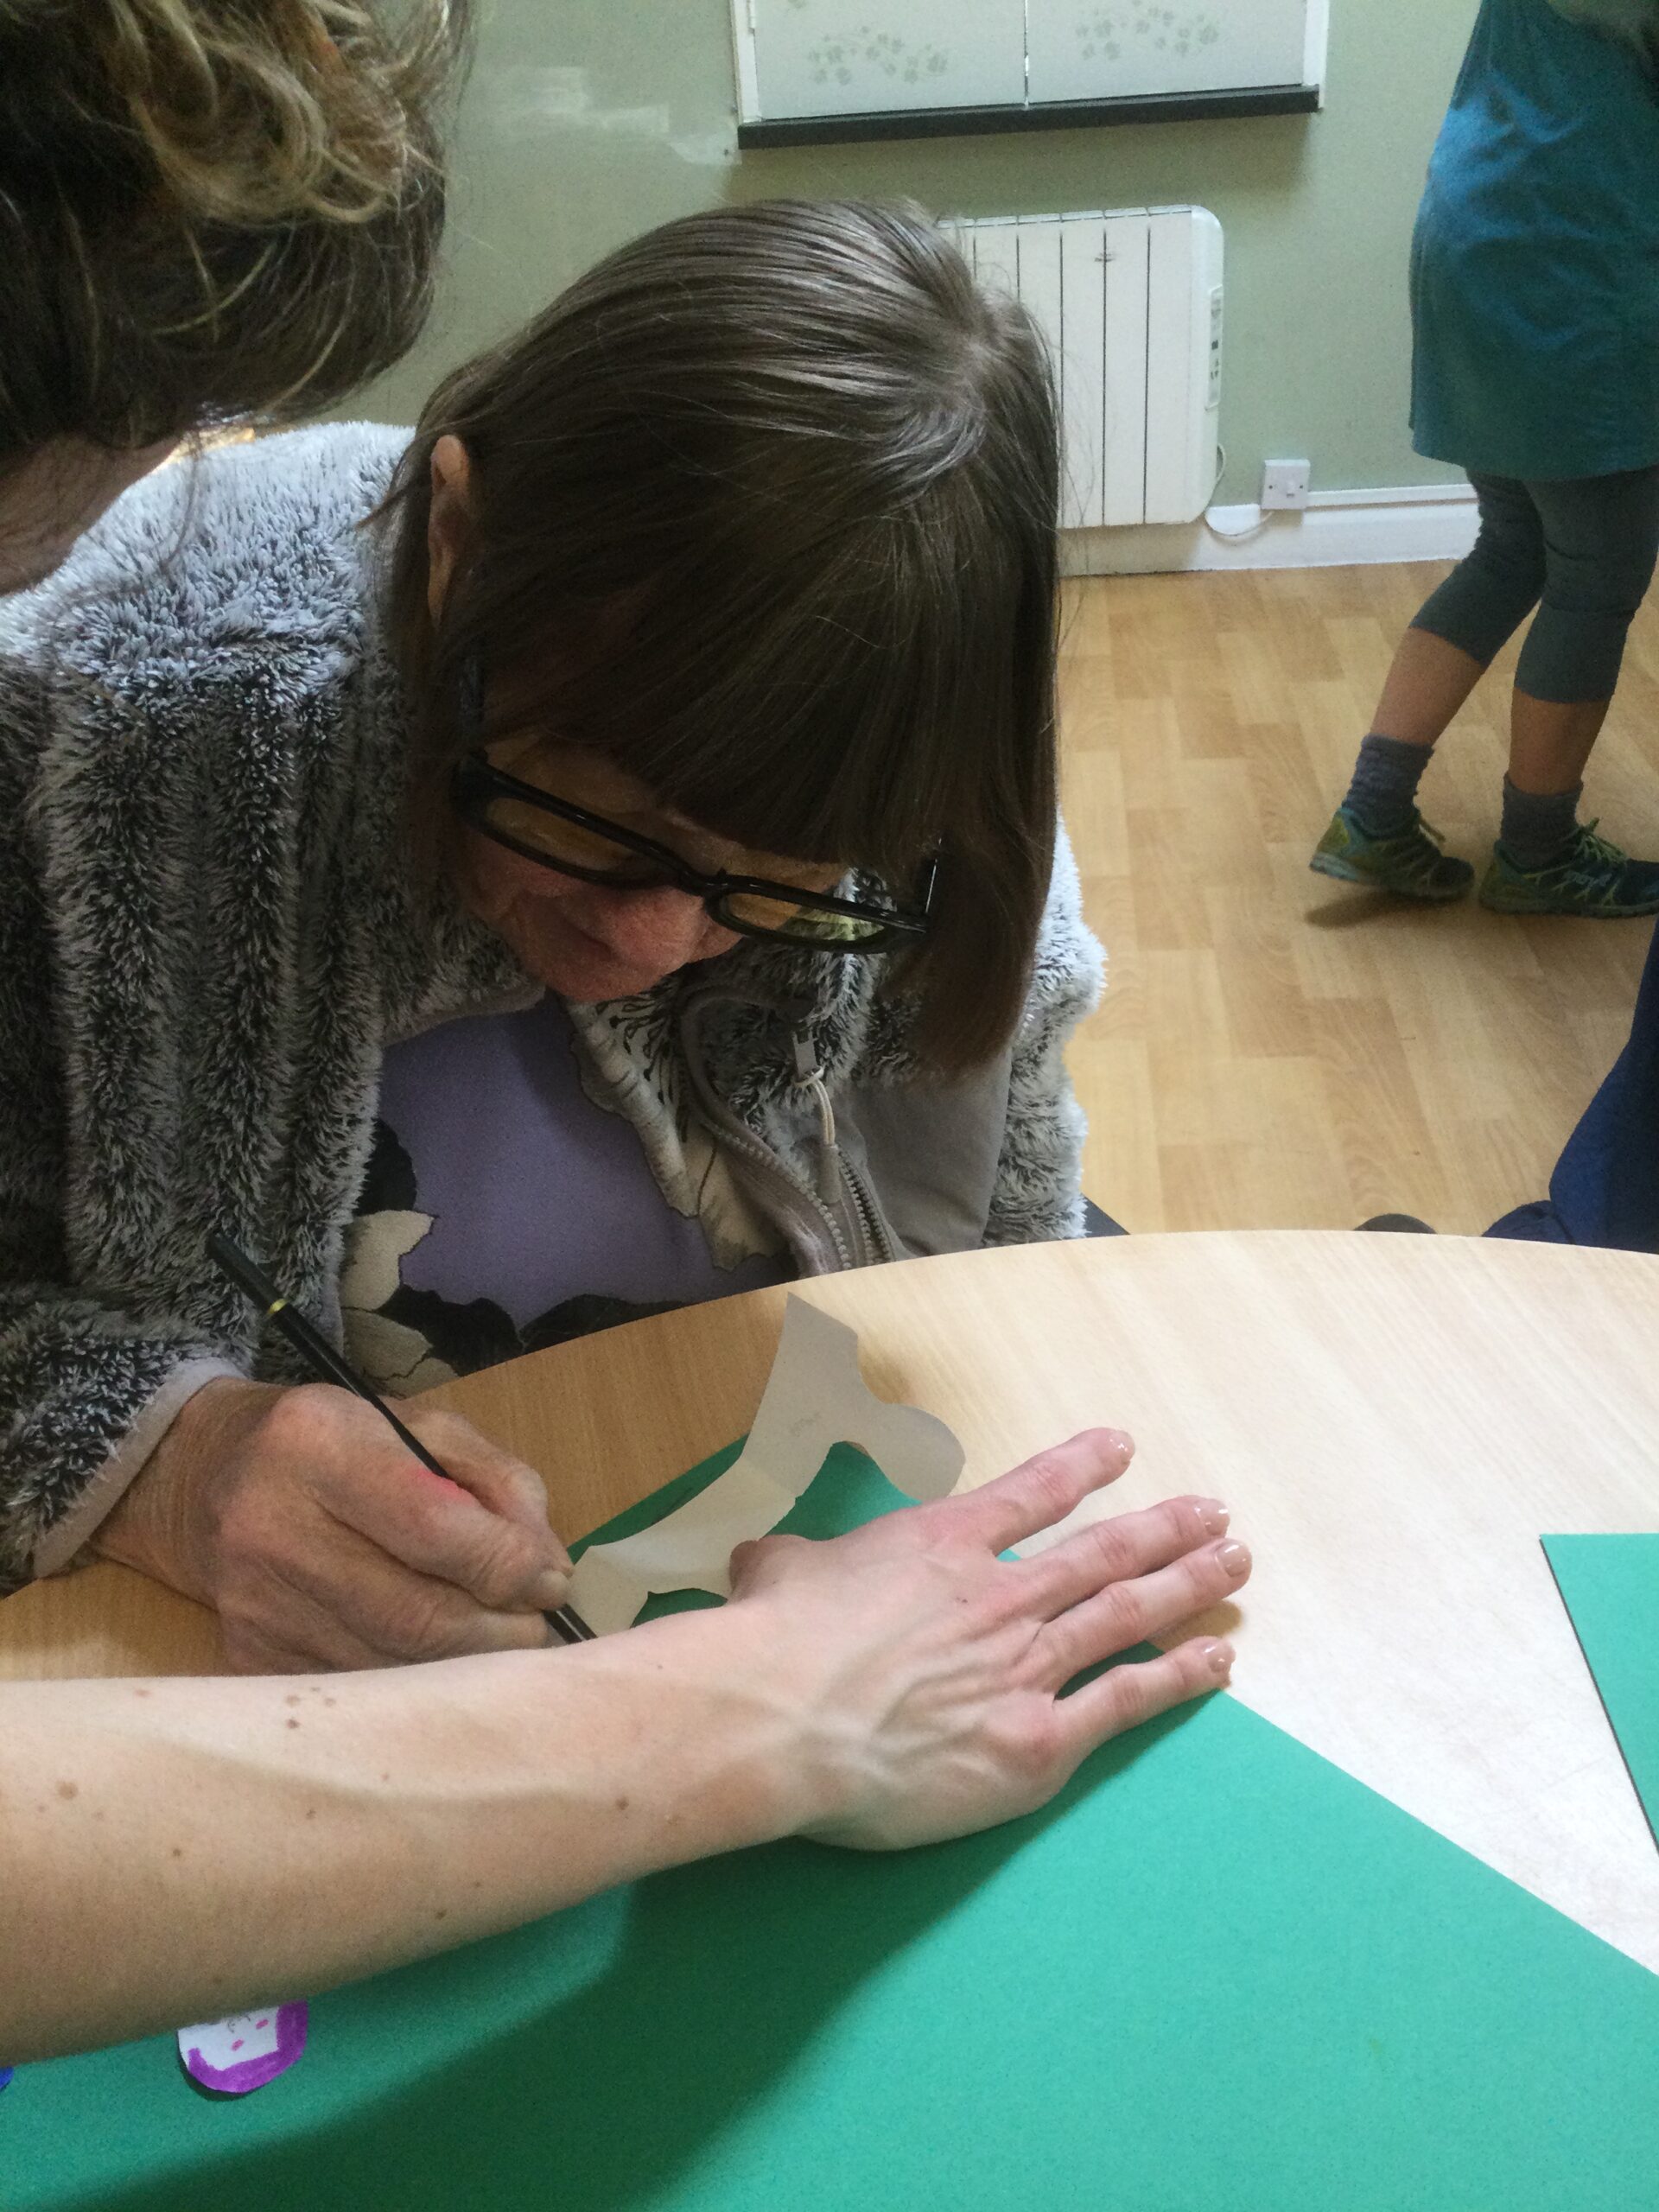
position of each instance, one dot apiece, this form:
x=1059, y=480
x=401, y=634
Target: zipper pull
x=809, y=1076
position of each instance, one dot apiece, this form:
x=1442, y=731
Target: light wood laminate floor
x=1275, y=1050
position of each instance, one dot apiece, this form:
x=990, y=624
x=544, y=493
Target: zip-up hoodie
x=209, y=936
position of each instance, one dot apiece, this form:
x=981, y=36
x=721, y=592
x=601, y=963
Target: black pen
x=315, y=1349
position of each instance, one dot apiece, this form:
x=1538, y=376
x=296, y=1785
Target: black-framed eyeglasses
x=533, y=824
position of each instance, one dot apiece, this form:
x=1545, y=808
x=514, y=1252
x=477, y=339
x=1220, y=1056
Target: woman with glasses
x=227, y=909
x=599, y=854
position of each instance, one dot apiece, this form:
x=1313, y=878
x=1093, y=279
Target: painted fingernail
x=1214, y=1517
x=1218, y=1658
x=1234, y=1559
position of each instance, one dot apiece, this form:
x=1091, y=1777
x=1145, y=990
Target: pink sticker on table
x=245, y=2051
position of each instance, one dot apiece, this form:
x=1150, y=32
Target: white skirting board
x=1336, y=529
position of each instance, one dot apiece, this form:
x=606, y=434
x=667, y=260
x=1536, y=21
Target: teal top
x=1636, y=22
x=1534, y=270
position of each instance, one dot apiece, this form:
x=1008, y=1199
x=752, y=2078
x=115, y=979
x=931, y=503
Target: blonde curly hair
x=211, y=210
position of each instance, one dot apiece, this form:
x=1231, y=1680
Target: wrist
x=735, y=1742
x=159, y=1525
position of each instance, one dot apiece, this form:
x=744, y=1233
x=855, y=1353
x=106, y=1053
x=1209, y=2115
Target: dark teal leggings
x=1579, y=548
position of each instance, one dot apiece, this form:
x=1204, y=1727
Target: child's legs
x=1427, y=682
x=1601, y=536
x=1461, y=625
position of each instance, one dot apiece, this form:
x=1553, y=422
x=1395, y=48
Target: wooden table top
x=1394, y=1421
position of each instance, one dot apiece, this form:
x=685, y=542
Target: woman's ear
x=447, y=518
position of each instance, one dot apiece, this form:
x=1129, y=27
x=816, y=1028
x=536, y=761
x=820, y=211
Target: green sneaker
x=1410, y=863
x=1588, y=876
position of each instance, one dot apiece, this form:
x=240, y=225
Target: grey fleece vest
x=208, y=938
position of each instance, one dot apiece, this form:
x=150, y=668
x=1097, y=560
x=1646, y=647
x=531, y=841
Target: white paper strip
x=815, y=1399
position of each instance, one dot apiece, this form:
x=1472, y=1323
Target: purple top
x=503, y=1210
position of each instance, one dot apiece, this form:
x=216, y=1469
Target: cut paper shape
x=815, y=1399
x=1609, y=1586
x=5, y=2075
x=244, y=2051
x=1216, y=1970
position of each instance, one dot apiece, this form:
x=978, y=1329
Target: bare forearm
x=174, y=1850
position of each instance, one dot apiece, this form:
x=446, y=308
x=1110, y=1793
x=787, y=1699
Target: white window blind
x=1118, y=49
x=799, y=58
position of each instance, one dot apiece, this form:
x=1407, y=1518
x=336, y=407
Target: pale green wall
x=589, y=120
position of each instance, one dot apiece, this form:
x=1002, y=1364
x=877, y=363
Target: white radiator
x=1130, y=302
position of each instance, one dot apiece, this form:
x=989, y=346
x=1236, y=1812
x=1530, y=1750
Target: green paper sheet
x=1217, y=1975
x=1609, y=1586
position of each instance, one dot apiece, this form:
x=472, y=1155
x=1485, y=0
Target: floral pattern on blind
x=1110, y=35
x=1107, y=49
x=851, y=57
x=838, y=59
x=847, y=57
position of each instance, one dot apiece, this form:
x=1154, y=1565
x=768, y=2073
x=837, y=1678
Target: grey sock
x=1537, y=824
x=1384, y=794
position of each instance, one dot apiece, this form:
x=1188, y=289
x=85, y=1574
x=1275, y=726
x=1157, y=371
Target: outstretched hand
x=926, y=1672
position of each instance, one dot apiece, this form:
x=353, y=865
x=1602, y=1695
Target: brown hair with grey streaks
x=763, y=510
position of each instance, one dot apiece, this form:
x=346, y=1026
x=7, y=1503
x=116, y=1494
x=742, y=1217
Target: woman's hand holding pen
x=297, y=1515
x=895, y=1686
x=892, y=1687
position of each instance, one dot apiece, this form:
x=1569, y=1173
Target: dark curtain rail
x=1048, y=115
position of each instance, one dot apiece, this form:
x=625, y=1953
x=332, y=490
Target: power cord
x=1230, y=537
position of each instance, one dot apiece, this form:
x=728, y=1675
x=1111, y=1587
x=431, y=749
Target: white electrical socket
x=1286, y=483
